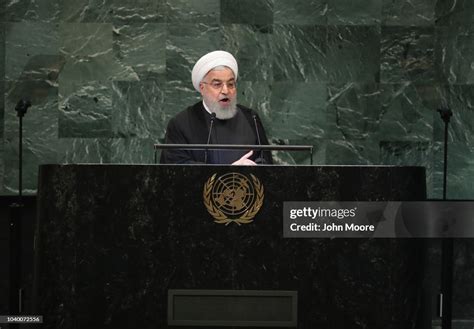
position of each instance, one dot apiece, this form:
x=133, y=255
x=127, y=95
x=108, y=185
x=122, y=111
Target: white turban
x=210, y=61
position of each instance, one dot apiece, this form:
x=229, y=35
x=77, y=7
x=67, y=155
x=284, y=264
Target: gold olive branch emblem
x=219, y=216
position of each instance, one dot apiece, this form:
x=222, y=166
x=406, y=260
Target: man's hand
x=245, y=161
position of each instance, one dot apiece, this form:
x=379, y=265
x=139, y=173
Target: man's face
x=219, y=91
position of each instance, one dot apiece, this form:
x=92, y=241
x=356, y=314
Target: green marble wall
x=360, y=80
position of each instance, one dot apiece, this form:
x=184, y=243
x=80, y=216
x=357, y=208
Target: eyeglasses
x=218, y=85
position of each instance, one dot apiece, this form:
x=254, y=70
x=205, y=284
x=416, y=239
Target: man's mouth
x=224, y=101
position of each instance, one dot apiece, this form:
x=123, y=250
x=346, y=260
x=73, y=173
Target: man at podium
x=217, y=119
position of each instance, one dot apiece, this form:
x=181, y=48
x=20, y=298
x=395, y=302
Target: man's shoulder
x=246, y=110
x=190, y=112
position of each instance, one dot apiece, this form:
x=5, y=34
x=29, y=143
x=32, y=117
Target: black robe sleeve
x=175, y=135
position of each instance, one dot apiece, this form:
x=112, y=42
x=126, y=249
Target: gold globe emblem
x=233, y=197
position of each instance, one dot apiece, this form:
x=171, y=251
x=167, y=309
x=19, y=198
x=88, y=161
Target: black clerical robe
x=192, y=125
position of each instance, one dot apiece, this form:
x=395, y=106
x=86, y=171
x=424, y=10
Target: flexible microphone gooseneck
x=213, y=117
x=260, y=160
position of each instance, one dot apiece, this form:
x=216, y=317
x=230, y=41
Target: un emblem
x=233, y=198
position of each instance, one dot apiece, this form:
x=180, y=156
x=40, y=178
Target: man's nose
x=224, y=89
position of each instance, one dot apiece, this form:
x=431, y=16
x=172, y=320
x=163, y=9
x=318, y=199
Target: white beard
x=223, y=113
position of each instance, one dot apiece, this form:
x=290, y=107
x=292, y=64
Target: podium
x=114, y=242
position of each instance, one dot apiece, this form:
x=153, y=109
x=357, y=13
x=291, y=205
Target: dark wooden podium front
x=114, y=240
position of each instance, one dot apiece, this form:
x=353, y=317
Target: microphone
x=260, y=160
x=22, y=106
x=213, y=117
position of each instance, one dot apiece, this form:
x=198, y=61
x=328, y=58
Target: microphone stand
x=262, y=159
x=213, y=117
x=15, y=222
x=447, y=256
